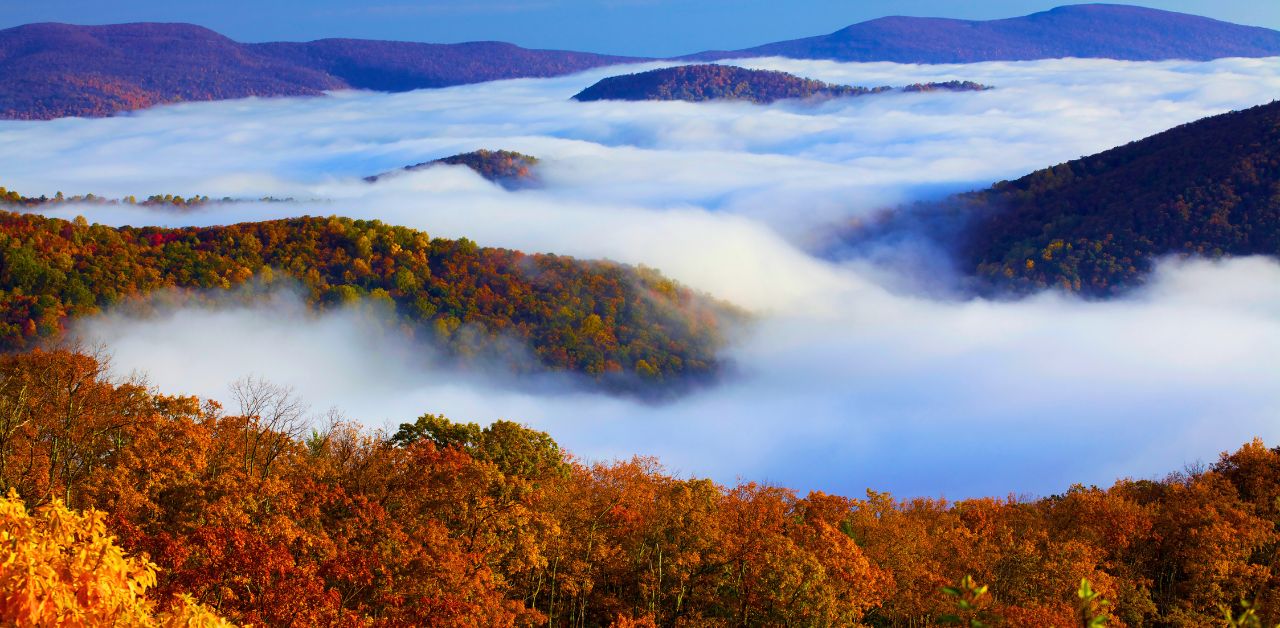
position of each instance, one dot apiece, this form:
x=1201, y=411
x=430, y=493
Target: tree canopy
x=264, y=517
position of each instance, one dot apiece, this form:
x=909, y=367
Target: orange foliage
x=626, y=327
x=448, y=524
x=61, y=568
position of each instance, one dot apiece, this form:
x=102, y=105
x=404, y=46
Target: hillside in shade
x=507, y=168
x=1096, y=225
x=627, y=328
x=1110, y=31
x=1209, y=188
x=57, y=70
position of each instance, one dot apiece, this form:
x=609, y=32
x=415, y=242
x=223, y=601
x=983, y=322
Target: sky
x=850, y=377
x=652, y=28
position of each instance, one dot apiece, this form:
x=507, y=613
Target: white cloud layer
x=847, y=382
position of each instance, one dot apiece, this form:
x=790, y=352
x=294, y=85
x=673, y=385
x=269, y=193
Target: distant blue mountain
x=1110, y=31
x=55, y=70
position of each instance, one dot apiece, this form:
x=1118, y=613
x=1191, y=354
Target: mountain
x=395, y=66
x=627, y=328
x=1096, y=225
x=1109, y=31
x=1093, y=225
x=696, y=83
x=947, y=86
x=507, y=168
x=57, y=70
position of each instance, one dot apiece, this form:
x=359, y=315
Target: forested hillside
x=271, y=520
x=947, y=86
x=626, y=327
x=697, y=83
x=1096, y=225
x=507, y=168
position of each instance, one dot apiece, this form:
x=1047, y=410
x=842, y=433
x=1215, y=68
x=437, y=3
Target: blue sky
x=635, y=27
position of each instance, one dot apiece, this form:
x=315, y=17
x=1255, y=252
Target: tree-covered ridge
x=14, y=198
x=697, y=83
x=504, y=167
x=1095, y=225
x=270, y=520
x=622, y=325
x=947, y=86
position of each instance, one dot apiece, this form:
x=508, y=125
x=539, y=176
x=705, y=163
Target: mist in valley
x=850, y=376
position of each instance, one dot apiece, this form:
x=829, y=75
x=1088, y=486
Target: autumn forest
x=964, y=320
x=255, y=514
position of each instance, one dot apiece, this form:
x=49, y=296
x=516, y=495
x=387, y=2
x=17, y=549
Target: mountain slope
x=507, y=168
x=697, y=83
x=1093, y=225
x=626, y=327
x=1096, y=225
x=56, y=70
x=396, y=66
x=1086, y=30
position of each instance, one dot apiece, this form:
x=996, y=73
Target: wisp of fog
x=846, y=380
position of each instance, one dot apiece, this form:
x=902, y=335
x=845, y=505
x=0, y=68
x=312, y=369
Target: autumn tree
x=61, y=567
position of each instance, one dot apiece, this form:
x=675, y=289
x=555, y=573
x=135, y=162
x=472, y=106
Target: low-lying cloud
x=879, y=391
x=847, y=381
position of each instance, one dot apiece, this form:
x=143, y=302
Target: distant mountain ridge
x=703, y=82
x=1110, y=31
x=396, y=66
x=58, y=70
x=697, y=83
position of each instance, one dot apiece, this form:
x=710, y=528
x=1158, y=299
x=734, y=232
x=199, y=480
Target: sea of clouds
x=850, y=378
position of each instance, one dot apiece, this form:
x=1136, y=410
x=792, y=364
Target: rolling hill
x=1110, y=31
x=627, y=328
x=1096, y=225
x=697, y=83
x=507, y=168
x=395, y=66
x=58, y=70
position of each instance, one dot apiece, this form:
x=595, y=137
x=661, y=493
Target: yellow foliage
x=60, y=567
